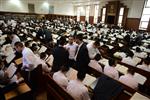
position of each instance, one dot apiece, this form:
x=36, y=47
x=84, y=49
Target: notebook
x=10, y=57
x=11, y=70
x=138, y=96
x=122, y=69
x=88, y=80
x=42, y=49
x=72, y=74
x=140, y=78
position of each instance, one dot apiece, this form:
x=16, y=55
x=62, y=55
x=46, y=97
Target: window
x=96, y=13
x=120, y=16
x=87, y=13
x=145, y=16
x=78, y=13
x=103, y=14
x=31, y=8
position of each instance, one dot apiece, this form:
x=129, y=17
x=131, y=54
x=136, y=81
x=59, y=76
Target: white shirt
x=111, y=72
x=71, y=49
x=141, y=54
x=14, y=40
x=144, y=67
x=30, y=58
x=60, y=79
x=92, y=51
x=77, y=90
x=129, y=80
x=131, y=61
x=94, y=64
x=78, y=51
x=45, y=67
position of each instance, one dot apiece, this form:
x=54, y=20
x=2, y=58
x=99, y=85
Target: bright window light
x=46, y=4
x=15, y=2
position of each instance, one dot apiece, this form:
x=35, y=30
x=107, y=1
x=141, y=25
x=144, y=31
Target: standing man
x=82, y=58
x=72, y=48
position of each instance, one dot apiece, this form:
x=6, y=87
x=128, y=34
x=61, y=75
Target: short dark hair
x=43, y=55
x=146, y=60
x=112, y=62
x=79, y=36
x=64, y=69
x=138, y=49
x=130, y=53
x=62, y=40
x=81, y=76
x=19, y=44
x=131, y=71
x=97, y=57
x=97, y=43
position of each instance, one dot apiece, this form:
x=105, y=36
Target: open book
x=138, y=96
x=122, y=69
x=10, y=57
x=140, y=78
x=49, y=60
x=72, y=74
x=42, y=49
x=11, y=70
x=88, y=80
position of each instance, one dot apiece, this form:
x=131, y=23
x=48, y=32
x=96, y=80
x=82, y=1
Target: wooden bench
x=55, y=91
x=20, y=91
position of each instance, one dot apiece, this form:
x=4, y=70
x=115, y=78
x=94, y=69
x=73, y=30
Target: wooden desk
x=21, y=89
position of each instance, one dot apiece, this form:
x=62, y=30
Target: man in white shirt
x=94, y=63
x=110, y=69
x=145, y=65
x=72, y=48
x=129, y=80
x=60, y=77
x=77, y=89
x=14, y=38
x=30, y=60
x=93, y=49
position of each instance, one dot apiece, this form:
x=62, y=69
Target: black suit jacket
x=82, y=59
x=61, y=57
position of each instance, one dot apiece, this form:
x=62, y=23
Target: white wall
x=40, y=6
x=64, y=8
x=135, y=8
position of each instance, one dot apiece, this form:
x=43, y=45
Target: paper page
x=34, y=34
x=50, y=60
x=88, y=80
x=103, y=61
x=122, y=69
x=140, y=78
x=42, y=49
x=138, y=96
x=94, y=84
x=10, y=57
x=11, y=70
x=72, y=74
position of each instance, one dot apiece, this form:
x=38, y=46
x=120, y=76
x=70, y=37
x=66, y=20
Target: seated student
x=139, y=53
x=128, y=79
x=4, y=79
x=93, y=49
x=94, y=63
x=145, y=65
x=77, y=89
x=131, y=59
x=60, y=77
x=45, y=67
x=110, y=69
x=14, y=38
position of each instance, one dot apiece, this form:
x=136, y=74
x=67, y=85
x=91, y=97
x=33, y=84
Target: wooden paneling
x=82, y=18
x=148, y=28
x=132, y=23
x=91, y=19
